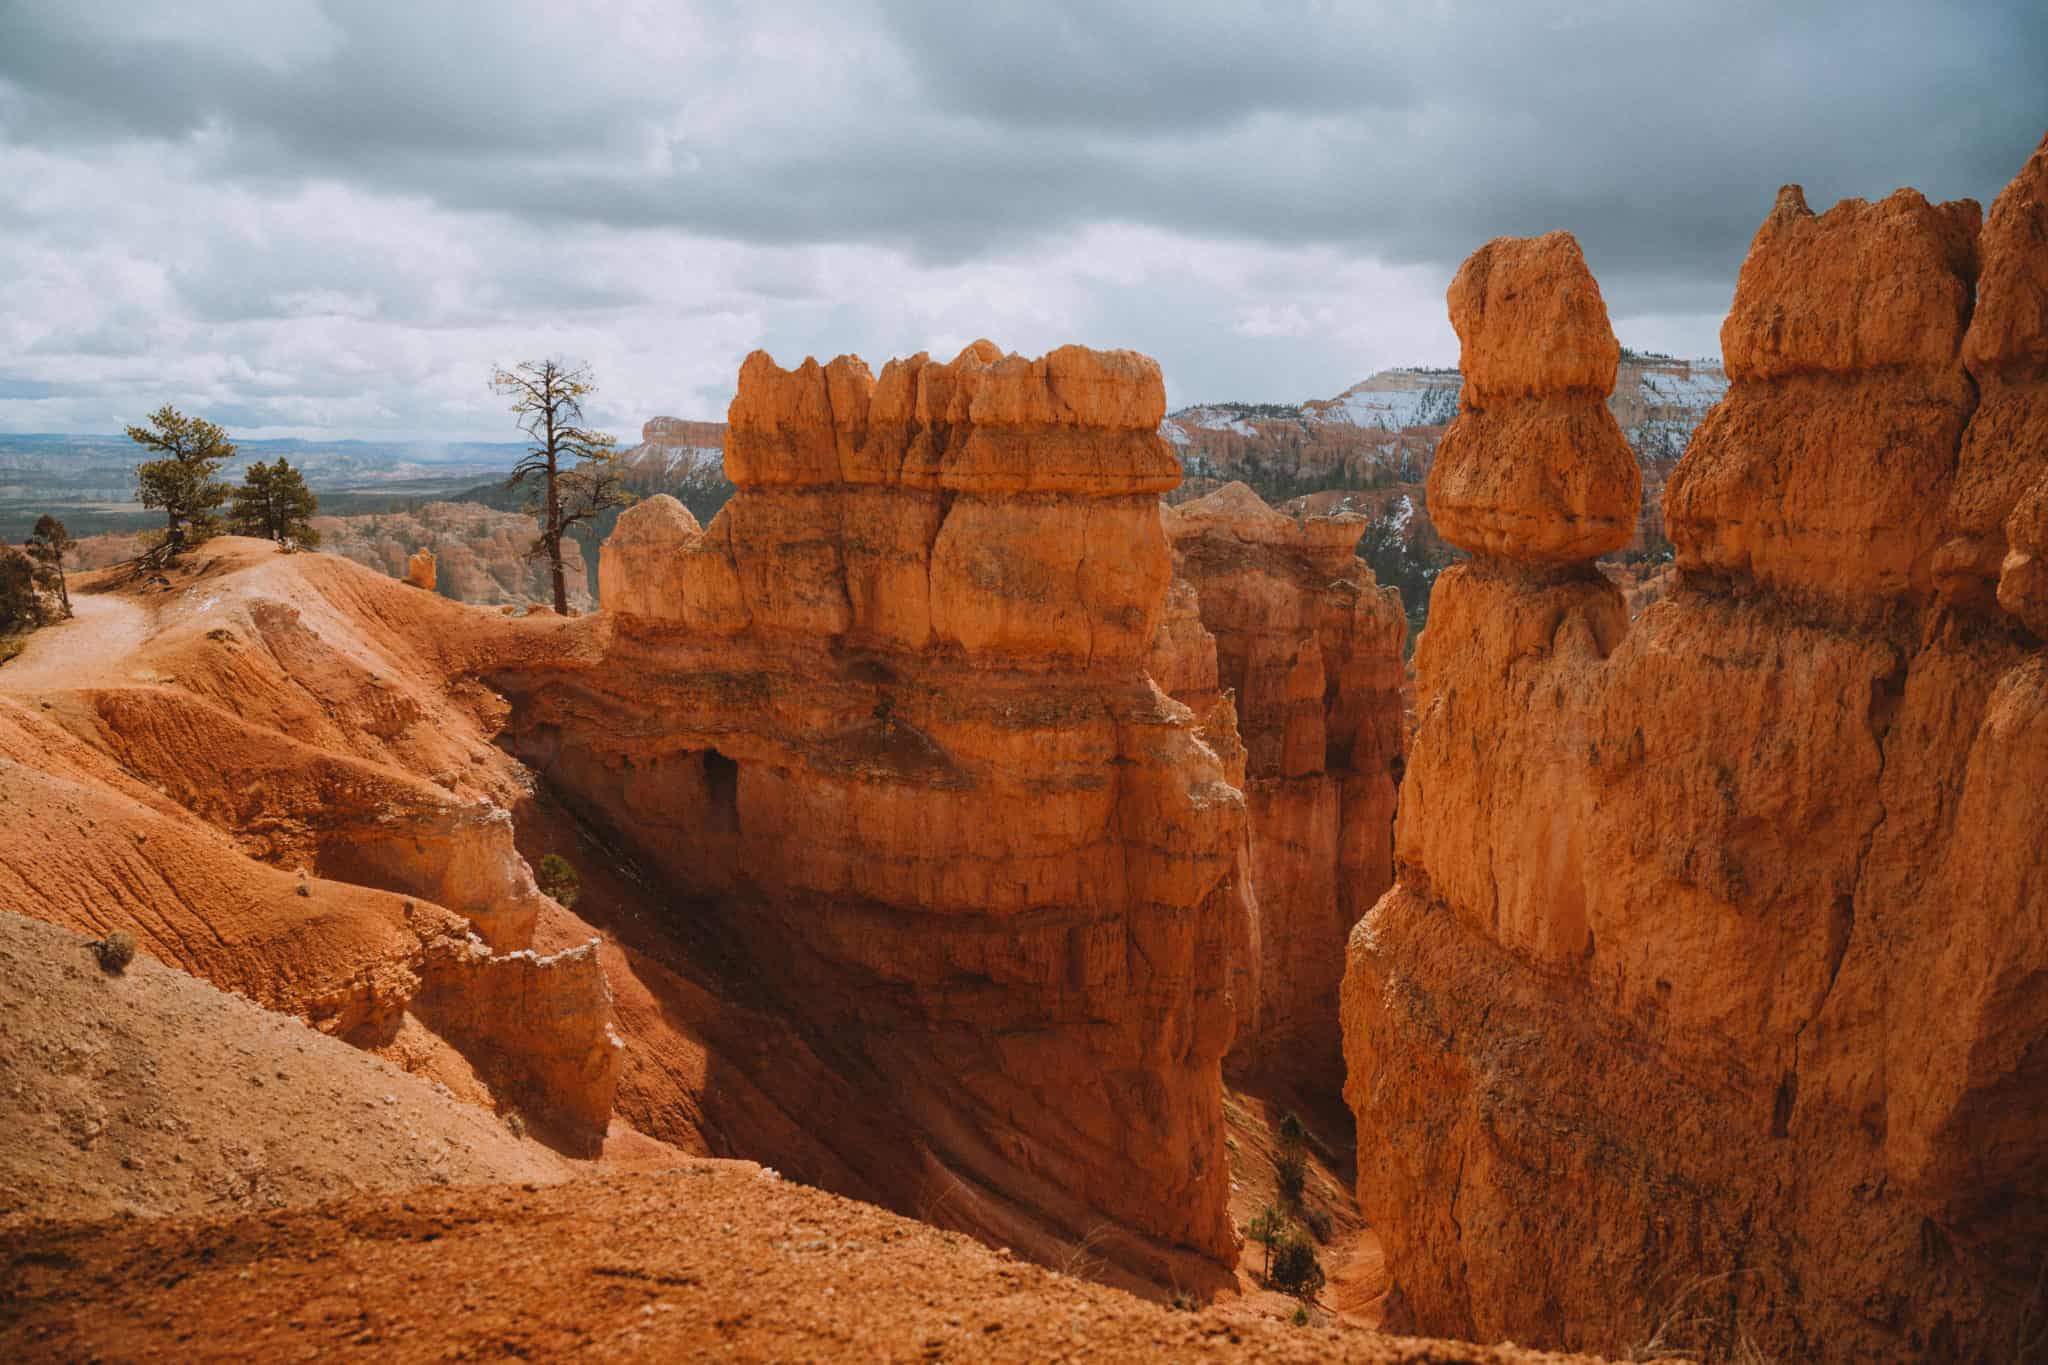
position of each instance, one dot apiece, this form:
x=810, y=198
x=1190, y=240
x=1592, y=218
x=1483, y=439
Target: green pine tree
x=1268, y=1228
x=274, y=503
x=47, y=545
x=180, y=481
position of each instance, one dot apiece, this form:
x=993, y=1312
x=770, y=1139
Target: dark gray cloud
x=329, y=169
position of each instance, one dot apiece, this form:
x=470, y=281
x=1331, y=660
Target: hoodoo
x=887, y=719
x=1284, y=615
x=1710, y=980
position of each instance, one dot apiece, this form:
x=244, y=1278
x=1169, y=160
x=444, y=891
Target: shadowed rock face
x=888, y=716
x=1717, y=938
x=1288, y=618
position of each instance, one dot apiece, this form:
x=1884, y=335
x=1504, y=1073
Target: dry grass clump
x=115, y=951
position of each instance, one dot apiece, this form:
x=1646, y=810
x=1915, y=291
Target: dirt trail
x=94, y=647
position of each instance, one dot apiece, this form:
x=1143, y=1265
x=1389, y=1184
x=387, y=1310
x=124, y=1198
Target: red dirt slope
x=150, y=1092
x=712, y=1257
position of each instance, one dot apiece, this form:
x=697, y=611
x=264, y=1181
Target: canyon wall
x=1286, y=617
x=1710, y=988
x=885, y=727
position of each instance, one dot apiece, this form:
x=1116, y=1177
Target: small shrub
x=1290, y=1173
x=1297, y=1269
x=1293, y=1132
x=1268, y=1228
x=1301, y=1315
x=558, y=879
x=115, y=951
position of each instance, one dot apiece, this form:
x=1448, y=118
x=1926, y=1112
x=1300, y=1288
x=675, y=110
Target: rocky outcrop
x=1287, y=618
x=419, y=570
x=1702, y=986
x=1845, y=345
x=640, y=566
x=540, y=1029
x=1535, y=469
x=2005, y=450
x=886, y=723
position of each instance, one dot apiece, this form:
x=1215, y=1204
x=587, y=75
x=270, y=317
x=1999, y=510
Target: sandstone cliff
x=1285, y=616
x=886, y=720
x=1710, y=978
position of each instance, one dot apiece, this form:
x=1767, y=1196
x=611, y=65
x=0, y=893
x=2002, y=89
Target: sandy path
x=96, y=646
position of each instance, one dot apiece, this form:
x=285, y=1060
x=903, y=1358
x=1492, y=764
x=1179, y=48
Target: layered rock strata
x=886, y=722
x=1709, y=983
x=1285, y=616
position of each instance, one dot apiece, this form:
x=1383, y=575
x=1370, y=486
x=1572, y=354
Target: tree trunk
x=553, y=540
x=551, y=527
x=63, y=588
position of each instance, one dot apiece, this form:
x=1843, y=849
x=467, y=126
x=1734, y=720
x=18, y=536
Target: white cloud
x=333, y=218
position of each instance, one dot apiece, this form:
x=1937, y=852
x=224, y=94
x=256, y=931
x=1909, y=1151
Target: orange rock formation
x=888, y=717
x=1286, y=616
x=1717, y=938
x=233, y=773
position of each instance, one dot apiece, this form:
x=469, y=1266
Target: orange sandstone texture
x=1535, y=467
x=2005, y=450
x=1834, y=452
x=1716, y=938
x=887, y=718
x=1288, y=618
x=257, y=771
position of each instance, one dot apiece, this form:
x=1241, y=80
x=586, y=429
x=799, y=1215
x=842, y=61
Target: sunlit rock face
x=1716, y=941
x=887, y=720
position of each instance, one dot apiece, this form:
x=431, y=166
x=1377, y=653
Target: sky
x=331, y=218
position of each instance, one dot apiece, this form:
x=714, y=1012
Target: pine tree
x=47, y=545
x=181, y=480
x=1268, y=1228
x=275, y=504
x=547, y=397
x=21, y=609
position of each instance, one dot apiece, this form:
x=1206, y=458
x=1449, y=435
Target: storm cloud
x=332, y=218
